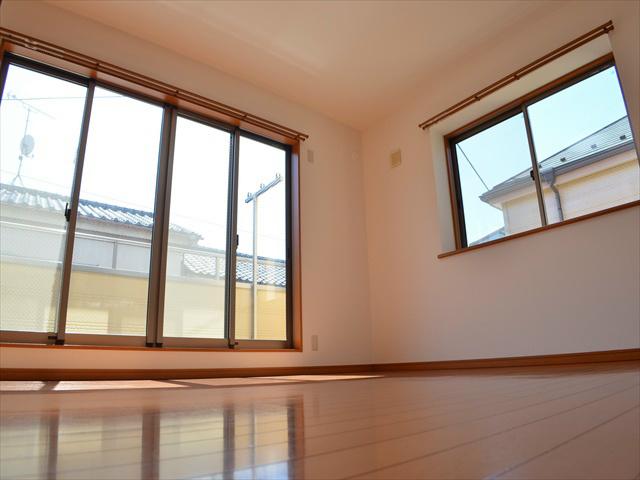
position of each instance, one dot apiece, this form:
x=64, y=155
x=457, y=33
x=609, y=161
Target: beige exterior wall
x=600, y=190
x=613, y=181
x=103, y=303
x=521, y=214
x=26, y=292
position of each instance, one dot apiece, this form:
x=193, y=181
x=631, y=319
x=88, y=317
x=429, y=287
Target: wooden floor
x=577, y=422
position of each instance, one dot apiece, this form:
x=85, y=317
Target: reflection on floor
x=529, y=423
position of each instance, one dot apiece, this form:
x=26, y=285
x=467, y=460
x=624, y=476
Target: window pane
x=195, y=285
x=498, y=194
x=584, y=147
x=109, y=277
x=40, y=121
x=261, y=298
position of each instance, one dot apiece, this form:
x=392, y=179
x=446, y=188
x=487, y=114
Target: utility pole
x=253, y=197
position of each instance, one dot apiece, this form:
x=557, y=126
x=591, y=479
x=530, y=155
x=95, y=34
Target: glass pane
x=498, y=195
x=110, y=272
x=195, y=285
x=40, y=121
x=584, y=147
x=261, y=273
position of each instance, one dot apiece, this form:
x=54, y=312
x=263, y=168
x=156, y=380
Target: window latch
x=531, y=174
x=55, y=340
x=67, y=212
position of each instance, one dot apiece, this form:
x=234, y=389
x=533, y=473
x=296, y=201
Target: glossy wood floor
x=577, y=422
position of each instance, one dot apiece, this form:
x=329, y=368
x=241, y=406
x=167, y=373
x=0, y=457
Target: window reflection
x=251, y=441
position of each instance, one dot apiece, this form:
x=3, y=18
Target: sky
x=122, y=154
x=502, y=151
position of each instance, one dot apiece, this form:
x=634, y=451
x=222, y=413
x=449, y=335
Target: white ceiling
x=351, y=60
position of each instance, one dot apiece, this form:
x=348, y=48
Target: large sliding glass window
x=565, y=153
x=40, y=123
x=130, y=222
x=194, y=301
x=111, y=255
x=261, y=264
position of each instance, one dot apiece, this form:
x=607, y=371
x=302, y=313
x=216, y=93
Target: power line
x=474, y=168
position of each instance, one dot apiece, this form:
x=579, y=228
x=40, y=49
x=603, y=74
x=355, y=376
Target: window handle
x=531, y=174
x=67, y=212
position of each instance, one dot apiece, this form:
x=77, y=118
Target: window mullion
x=72, y=218
x=534, y=168
x=4, y=70
x=232, y=240
x=160, y=237
x=289, y=248
x=456, y=199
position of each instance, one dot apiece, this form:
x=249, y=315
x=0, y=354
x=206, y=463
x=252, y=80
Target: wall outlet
x=395, y=159
x=314, y=343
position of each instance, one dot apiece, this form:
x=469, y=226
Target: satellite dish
x=27, y=145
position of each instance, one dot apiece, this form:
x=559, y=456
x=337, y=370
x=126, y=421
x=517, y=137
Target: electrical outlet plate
x=396, y=158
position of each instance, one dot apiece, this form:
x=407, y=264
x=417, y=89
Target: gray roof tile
x=270, y=271
x=22, y=196
x=200, y=262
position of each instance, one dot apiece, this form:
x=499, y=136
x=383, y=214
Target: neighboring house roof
x=499, y=233
x=39, y=199
x=609, y=140
x=270, y=271
x=201, y=262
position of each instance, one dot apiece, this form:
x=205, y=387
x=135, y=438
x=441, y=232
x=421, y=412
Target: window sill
x=617, y=208
x=146, y=349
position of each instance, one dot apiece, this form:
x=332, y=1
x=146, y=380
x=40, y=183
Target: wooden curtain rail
x=549, y=57
x=37, y=45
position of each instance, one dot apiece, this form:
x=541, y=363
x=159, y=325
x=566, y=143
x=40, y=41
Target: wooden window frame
x=242, y=124
x=515, y=107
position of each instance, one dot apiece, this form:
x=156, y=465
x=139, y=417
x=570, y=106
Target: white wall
x=335, y=297
x=571, y=289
